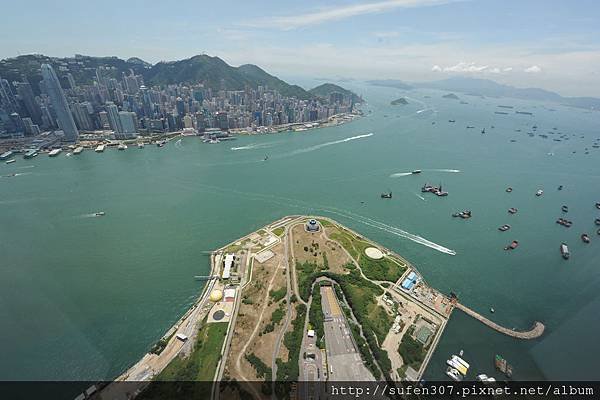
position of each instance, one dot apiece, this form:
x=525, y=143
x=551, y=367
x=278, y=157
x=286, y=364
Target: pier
x=536, y=331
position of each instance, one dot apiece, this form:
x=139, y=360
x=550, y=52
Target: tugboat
x=565, y=209
x=504, y=228
x=386, y=195
x=508, y=189
x=585, y=238
x=564, y=251
x=512, y=210
x=539, y=192
x=513, y=245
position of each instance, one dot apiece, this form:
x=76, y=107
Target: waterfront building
x=59, y=103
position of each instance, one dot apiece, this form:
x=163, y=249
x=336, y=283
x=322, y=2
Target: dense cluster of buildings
x=126, y=107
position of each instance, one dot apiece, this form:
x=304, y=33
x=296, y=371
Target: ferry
x=30, y=153
x=454, y=374
x=12, y=160
x=539, y=192
x=585, y=238
x=54, y=152
x=122, y=146
x=100, y=148
x=416, y=171
x=564, y=251
x=6, y=155
x=78, y=150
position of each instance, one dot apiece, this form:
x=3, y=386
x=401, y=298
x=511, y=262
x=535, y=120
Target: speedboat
x=11, y=161
x=585, y=238
x=513, y=245
x=504, y=228
x=416, y=171
x=451, y=120
x=100, y=214
x=539, y=192
x=122, y=146
x=508, y=189
x=454, y=374
x=512, y=210
x=564, y=209
x=386, y=195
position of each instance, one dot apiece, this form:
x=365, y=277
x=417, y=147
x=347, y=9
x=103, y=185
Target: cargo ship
x=503, y=366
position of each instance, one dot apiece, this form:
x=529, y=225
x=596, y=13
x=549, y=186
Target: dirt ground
x=253, y=317
x=317, y=245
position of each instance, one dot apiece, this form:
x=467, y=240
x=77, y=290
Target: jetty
x=536, y=331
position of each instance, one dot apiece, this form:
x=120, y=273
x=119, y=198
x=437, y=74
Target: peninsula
x=302, y=299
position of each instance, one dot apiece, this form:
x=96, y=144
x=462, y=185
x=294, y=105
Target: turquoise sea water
x=84, y=297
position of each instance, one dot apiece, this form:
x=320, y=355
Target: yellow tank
x=216, y=295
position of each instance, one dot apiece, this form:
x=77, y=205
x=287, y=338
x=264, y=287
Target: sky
x=552, y=44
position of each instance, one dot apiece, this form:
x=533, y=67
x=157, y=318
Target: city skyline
x=523, y=44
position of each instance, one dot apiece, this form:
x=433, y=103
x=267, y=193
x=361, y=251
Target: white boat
x=481, y=377
x=539, y=192
x=54, y=152
x=461, y=361
x=78, y=150
x=6, y=155
x=122, y=146
x=99, y=149
x=454, y=374
x=457, y=366
x=140, y=145
x=11, y=161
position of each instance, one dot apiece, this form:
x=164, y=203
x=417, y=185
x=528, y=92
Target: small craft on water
x=386, y=195
x=597, y=221
x=585, y=238
x=564, y=222
x=560, y=187
x=564, y=251
x=508, y=189
x=504, y=228
x=100, y=214
x=564, y=209
x=539, y=192
x=598, y=205
x=512, y=210
x=463, y=214
x=513, y=245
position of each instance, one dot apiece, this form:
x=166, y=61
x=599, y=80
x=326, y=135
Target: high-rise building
x=127, y=123
x=28, y=98
x=113, y=118
x=59, y=102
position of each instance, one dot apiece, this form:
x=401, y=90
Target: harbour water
x=84, y=297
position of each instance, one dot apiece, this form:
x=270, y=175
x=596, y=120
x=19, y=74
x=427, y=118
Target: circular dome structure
x=218, y=315
x=216, y=295
x=374, y=253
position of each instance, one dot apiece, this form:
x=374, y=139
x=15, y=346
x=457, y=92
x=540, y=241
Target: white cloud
x=534, y=69
x=339, y=13
x=495, y=70
x=436, y=68
x=386, y=35
x=466, y=67
x=507, y=69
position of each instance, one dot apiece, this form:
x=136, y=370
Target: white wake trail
x=320, y=146
x=399, y=174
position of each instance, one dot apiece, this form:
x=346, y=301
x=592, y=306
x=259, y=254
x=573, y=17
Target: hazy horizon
x=534, y=44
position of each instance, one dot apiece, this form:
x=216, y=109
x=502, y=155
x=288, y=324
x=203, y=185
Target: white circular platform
x=374, y=253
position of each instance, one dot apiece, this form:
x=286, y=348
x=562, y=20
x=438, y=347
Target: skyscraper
x=59, y=102
x=113, y=118
x=28, y=98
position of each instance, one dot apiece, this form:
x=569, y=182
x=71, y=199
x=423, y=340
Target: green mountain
x=401, y=101
x=260, y=77
x=326, y=89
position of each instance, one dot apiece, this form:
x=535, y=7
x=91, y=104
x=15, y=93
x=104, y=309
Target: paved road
x=345, y=363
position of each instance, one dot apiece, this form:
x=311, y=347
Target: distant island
x=450, y=96
x=399, y=102
x=486, y=87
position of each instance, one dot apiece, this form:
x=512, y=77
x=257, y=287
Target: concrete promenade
x=536, y=331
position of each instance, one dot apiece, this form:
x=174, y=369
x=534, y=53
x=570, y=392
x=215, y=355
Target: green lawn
x=278, y=231
x=202, y=363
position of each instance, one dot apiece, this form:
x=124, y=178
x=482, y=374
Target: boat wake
x=399, y=174
x=419, y=196
x=254, y=146
x=320, y=146
x=444, y=170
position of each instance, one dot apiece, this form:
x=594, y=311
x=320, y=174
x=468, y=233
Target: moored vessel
x=6, y=155
x=54, y=152
x=30, y=153
x=78, y=150
x=564, y=251
x=100, y=148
